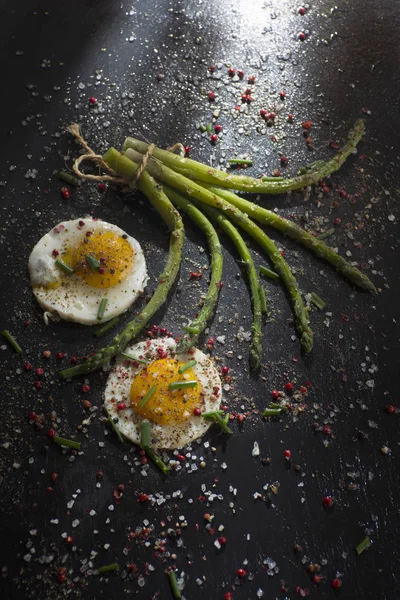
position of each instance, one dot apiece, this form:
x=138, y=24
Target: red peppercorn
x=289, y=387
x=121, y=406
x=222, y=540
x=231, y=72
x=336, y=583
x=224, y=370
x=65, y=193
x=92, y=101
x=211, y=96
x=102, y=187
x=197, y=411
x=287, y=454
x=143, y=498
x=51, y=433
x=37, y=384
x=218, y=128
x=85, y=388
x=39, y=371
x=213, y=138
x=390, y=409
x=241, y=572
x=327, y=501
x=327, y=430
x=28, y=366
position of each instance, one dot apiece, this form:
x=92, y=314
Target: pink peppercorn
x=282, y=95
x=302, y=36
x=317, y=578
x=143, y=498
x=231, y=72
x=240, y=418
x=390, y=409
x=222, y=540
x=197, y=411
x=37, y=384
x=218, y=128
x=275, y=394
x=327, y=501
x=211, y=68
x=213, y=138
x=51, y=433
x=302, y=10
x=121, y=406
x=92, y=101
x=336, y=583
x=39, y=371
x=241, y=572
x=287, y=454
x=60, y=355
x=65, y=193
x=327, y=430
x=32, y=415
x=211, y=96
x=85, y=388
x=289, y=387
x=102, y=187
x=224, y=370
x=228, y=596
x=28, y=366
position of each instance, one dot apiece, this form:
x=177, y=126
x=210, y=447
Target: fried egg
x=140, y=388
x=83, y=264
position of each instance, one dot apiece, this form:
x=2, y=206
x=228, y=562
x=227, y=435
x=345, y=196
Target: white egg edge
x=129, y=423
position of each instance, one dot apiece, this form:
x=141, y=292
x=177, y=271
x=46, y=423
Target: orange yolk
x=165, y=406
x=114, y=254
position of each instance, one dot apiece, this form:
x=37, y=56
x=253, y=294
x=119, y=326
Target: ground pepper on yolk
x=165, y=406
x=114, y=253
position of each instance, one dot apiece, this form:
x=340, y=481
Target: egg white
x=128, y=422
x=72, y=298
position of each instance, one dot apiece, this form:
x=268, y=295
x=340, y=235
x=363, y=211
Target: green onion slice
x=174, y=585
x=186, y=366
x=134, y=358
x=92, y=261
x=101, y=330
x=102, y=308
x=181, y=385
x=11, y=340
x=366, y=543
x=268, y=273
x=63, y=266
x=107, y=568
x=148, y=395
x=145, y=435
x=67, y=443
x=317, y=301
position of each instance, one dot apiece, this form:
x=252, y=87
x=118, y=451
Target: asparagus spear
x=174, y=222
x=123, y=165
x=200, y=322
x=255, y=355
x=198, y=171
x=268, y=217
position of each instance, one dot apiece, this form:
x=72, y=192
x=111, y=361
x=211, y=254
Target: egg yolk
x=113, y=253
x=165, y=406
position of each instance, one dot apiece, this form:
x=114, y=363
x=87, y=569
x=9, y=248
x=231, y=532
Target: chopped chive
x=267, y=272
x=107, y=568
x=145, y=435
x=157, y=460
x=174, y=585
x=67, y=443
x=202, y=128
x=134, y=359
x=366, y=543
x=263, y=300
x=282, y=407
x=101, y=330
x=241, y=161
x=116, y=430
x=271, y=412
x=68, y=177
x=317, y=301
x=191, y=329
x=215, y=416
x=147, y=396
x=92, y=261
x=326, y=234
x=209, y=127
x=181, y=385
x=186, y=366
x=271, y=178
x=11, y=340
x=63, y=266
x=102, y=308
